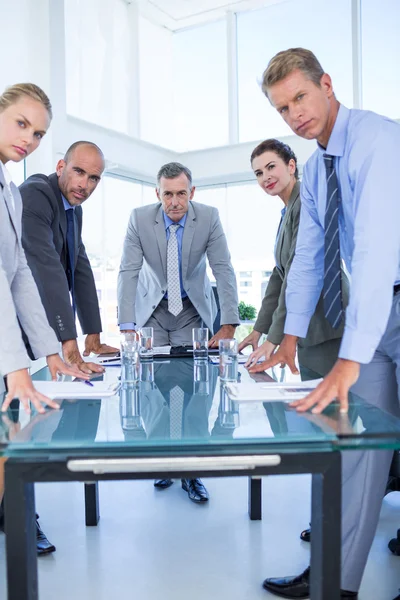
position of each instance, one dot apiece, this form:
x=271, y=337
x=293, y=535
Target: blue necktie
x=333, y=302
x=71, y=253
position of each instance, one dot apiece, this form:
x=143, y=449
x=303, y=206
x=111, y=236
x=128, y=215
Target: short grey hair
x=172, y=170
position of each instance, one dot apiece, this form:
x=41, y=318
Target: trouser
x=365, y=473
x=174, y=331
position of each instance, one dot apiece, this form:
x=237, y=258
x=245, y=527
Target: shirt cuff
x=359, y=347
x=297, y=325
x=124, y=326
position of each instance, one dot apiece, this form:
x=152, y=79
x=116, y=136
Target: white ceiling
x=177, y=14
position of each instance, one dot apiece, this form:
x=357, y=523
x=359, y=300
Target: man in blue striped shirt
x=356, y=167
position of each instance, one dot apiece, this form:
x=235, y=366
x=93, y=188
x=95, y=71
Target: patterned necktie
x=71, y=253
x=333, y=302
x=176, y=397
x=174, y=285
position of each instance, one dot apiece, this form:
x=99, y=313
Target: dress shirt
x=8, y=180
x=179, y=237
x=365, y=147
x=67, y=205
x=283, y=213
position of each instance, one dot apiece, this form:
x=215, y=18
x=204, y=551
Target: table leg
x=22, y=576
x=326, y=531
x=255, y=498
x=92, y=512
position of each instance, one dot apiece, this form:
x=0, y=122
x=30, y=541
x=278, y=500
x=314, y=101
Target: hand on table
x=93, y=344
x=72, y=356
x=285, y=355
x=251, y=340
x=226, y=332
x=266, y=349
x=20, y=386
x=335, y=385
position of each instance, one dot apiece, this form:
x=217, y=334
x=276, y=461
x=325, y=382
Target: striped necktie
x=332, y=290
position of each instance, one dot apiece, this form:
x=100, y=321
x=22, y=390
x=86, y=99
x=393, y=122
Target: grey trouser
x=365, y=473
x=174, y=331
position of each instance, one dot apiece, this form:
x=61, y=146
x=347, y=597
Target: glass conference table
x=178, y=421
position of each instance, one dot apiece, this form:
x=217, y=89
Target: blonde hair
x=287, y=61
x=12, y=94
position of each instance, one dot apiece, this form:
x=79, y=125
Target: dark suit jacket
x=272, y=315
x=44, y=230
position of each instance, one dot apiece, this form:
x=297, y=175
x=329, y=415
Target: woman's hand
x=266, y=349
x=20, y=386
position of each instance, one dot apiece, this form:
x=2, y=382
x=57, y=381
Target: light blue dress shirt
x=179, y=237
x=366, y=148
x=67, y=205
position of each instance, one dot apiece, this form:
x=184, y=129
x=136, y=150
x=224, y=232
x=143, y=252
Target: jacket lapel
x=161, y=237
x=279, y=242
x=188, y=233
x=7, y=200
x=63, y=218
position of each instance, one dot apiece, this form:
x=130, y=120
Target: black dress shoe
x=305, y=535
x=42, y=543
x=195, y=489
x=163, y=484
x=298, y=587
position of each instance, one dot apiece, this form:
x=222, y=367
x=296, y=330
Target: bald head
x=80, y=171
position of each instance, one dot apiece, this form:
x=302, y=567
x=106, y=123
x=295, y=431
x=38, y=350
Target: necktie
x=71, y=253
x=176, y=397
x=174, y=286
x=332, y=290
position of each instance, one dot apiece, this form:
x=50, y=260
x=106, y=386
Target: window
x=263, y=33
x=245, y=273
x=97, y=54
x=245, y=284
x=155, y=84
x=106, y=216
x=380, y=56
x=200, y=87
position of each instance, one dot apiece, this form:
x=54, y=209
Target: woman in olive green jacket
x=275, y=167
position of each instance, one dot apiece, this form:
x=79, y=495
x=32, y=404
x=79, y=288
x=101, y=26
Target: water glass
x=129, y=358
x=200, y=343
x=228, y=360
x=147, y=372
x=146, y=343
x=201, y=383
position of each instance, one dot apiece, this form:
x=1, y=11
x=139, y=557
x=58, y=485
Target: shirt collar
x=337, y=140
x=168, y=221
x=67, y=205
x=6, y=173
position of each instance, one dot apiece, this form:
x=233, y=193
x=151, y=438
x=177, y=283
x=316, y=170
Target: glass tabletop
x=179, y=406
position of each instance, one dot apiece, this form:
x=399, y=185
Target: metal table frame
x=21, y=473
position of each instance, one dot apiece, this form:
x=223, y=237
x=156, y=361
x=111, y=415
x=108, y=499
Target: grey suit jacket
x=19, y=296
x=272, y=315
x=142, y=280
x=44, y=231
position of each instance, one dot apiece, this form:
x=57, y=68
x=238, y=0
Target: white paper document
x=270, y=391
x=76, y=389
x=242, y=359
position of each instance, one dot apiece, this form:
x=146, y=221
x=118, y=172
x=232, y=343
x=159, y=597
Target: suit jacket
x=142, y=280
x=272, y=315
x=19, y=296
x=44, y=230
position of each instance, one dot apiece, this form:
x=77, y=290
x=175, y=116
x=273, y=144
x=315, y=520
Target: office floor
x=151, y=545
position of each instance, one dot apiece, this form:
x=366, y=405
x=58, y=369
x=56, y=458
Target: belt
x=396, y=289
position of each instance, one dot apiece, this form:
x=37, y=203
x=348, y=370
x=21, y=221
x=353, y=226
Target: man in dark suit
x=51, y=237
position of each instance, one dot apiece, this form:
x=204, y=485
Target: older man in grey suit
x=162, y=280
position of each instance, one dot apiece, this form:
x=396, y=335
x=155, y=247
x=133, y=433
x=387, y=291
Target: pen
x=85, y=381
x=107, y=360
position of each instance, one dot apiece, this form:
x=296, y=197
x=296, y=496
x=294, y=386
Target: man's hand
x=72, y=356
x=226, y=332
x=335, y=385
x=57, y=365
x=285, y=355
x=251, y=340
x=20, y=386
x=266, y=349
x=93, y=344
